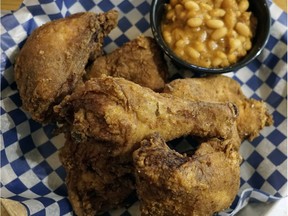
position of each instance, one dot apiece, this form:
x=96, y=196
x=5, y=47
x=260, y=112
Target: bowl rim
x=248, y=58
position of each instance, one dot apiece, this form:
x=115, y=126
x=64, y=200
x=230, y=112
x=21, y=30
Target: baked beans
x=209, y=33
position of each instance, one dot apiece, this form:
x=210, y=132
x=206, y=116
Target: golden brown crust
x=96, y=181
x=253, y=114
x=119, y=111
x=139, y=60
x=169, y=183
x=53, y=59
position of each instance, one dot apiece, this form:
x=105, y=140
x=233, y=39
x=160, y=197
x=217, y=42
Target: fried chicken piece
x=96, y=181
x=253, y=114
x=139, y=60
x=121, y=112
x=54, y=57
x=169, y=183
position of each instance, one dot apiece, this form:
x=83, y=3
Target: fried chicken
x=253, y=114
x=105, y=119
x=96, y=181
x=53, y=59
x=169, y=183
x=139, y=60
x=121, y=112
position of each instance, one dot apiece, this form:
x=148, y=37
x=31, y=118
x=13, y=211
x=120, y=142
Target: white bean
x=230, y=19
x=219, y=33
x=216, y=62
x=234, y=44
x=214, y=23
x=229, y=4
x=167, y=37
x=194, y=22
x=248, y=45
x=243, y=5
x=180, y=43
x=205, y=6
x=232, y=58
x=178, y=34
x=178, y=9
x=199, y=46
x=205, y=63
x=221, y=55
x=217, y=12
x=179, y=52
x=192, y=52
x=170, y=15
x=191, y=5
x=243, y=29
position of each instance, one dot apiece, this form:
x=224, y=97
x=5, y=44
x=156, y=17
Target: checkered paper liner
x=30, y=169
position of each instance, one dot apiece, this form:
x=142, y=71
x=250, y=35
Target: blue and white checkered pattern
x=30, y=168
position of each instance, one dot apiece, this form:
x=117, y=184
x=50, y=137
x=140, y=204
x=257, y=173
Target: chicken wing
x=169, y=183
x=139, y=60
x=119, y=111
x=96, y=181
x=53, y=59
x=253, y=114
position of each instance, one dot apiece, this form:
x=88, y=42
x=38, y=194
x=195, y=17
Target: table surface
x=13, y=208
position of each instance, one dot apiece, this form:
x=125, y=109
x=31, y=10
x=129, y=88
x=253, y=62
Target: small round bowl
x=259, y=8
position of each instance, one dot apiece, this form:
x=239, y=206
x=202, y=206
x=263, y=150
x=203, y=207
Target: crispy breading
x=169, y=183
x=119, y=111
x=53, y=59
x=253, y=114
x=139, y=60
x=96, y=181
